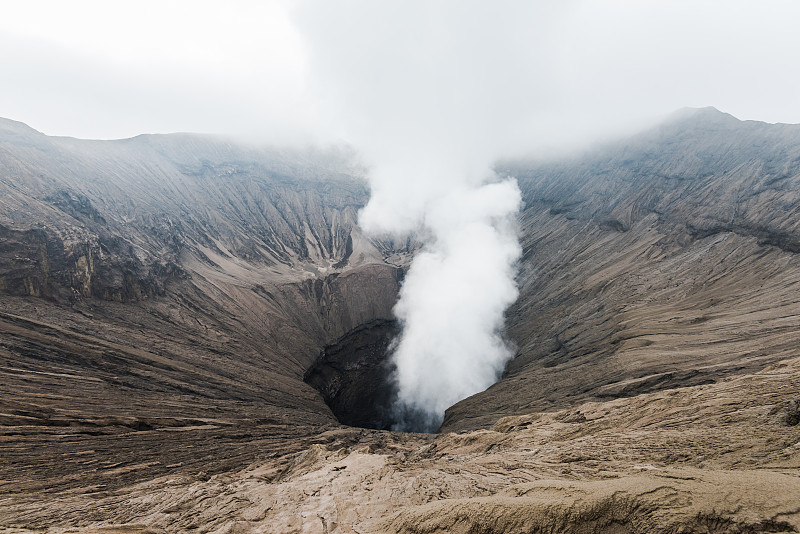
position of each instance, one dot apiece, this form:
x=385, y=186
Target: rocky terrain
x=176, y=311
x=714, y=458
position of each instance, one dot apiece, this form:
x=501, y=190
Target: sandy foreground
x=723, y=457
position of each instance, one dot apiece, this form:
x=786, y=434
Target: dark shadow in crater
x=354, y=376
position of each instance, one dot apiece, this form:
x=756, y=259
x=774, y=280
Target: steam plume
x=452, y=302
x=431, y=92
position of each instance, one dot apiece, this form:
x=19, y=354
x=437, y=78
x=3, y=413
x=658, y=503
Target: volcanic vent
x=354, y=376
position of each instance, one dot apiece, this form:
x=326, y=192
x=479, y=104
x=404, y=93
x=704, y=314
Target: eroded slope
x=179, y=282
x=664, y=260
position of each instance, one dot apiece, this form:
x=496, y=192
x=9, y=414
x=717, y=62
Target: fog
x=95, y=69
x=109, y=70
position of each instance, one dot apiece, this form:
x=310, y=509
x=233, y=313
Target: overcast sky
x=98, y=69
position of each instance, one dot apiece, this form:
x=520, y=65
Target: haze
x=111, y=70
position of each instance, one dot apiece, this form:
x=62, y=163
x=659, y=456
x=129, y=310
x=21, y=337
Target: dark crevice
x=354, y=376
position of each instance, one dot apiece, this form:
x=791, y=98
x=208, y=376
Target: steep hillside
x=172, y=282
x=667, y=259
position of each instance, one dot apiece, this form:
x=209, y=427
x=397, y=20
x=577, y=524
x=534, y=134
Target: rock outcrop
x=354, y=376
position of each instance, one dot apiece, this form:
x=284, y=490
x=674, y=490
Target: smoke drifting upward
x=432, y=93
x=452, y=302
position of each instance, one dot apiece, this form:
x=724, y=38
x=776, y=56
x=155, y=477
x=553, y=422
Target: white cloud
x=117, y=69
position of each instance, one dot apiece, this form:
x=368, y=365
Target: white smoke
x=432, y=92
x=452, y=303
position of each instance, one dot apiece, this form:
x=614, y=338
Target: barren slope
x=664, y=260
x=163, y=298
x=178, y=282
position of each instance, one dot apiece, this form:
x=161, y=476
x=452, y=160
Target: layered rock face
x=186, y=322
x=354, y=376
